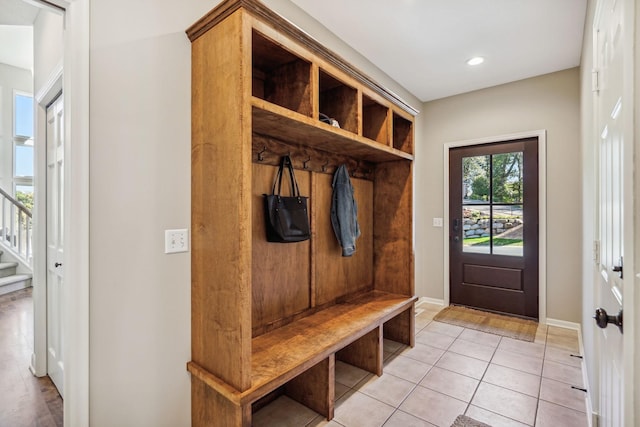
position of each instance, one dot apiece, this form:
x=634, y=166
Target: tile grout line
x=483, y=375
x=415, y=386
x=397, y=408
x=540, y=376
x=544, y=357
x=399, y=350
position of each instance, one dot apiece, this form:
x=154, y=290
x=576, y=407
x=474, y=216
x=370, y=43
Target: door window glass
x=506, y=177
x=492, y=195
x=507, y=230
x=475, y=229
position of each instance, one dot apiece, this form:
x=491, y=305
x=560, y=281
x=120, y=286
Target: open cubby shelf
x=338, y=101
x=375, y=121
x=402, y=134
x=285, y=79
x=280, y=77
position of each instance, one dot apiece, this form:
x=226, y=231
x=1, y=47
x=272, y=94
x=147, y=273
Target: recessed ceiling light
x=476, y=60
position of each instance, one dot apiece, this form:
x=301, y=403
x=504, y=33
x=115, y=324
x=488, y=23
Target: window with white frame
x=23, y=152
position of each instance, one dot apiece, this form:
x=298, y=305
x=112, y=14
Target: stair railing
x=17, y=227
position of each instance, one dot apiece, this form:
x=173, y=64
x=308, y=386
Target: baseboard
x=585, y=379
x=567, y=325
x=592, y=417
x=428, y=300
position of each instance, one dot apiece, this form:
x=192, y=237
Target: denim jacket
x=344, y=212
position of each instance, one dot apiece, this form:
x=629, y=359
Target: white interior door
x=55, y=242
x=614, y=106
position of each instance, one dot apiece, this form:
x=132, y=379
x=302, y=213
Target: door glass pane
x=475, y=229
x=475, y=179
x=507, y=177
x=508, y=230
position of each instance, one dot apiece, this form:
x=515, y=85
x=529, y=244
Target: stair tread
x=4, y=265
x=14, y=278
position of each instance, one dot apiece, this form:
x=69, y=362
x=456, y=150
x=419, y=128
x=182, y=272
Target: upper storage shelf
x=291, y=94
x=277, y=122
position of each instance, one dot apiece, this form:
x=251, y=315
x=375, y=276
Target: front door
x=55, y=269
x=493, y=236
x=613, y=118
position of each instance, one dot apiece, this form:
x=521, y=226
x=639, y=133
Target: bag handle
x=285, y=161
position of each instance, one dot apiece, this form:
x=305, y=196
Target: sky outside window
x=24, y=116
x=24, y=160
x=23, y=132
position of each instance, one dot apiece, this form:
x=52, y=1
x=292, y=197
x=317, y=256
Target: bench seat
x=352, y=329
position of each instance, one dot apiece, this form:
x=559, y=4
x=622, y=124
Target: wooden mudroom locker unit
x=273, y=318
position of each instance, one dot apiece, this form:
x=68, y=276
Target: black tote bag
x=287, y=218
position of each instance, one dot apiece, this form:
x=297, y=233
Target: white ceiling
x=424, y=44
x=16, y=34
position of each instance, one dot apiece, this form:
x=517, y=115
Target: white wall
x=11, y=78
x=139, y=186
x=48, y=46
x=140, y=159
x=548, y=102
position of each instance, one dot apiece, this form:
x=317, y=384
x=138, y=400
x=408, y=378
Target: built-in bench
x=301, y=355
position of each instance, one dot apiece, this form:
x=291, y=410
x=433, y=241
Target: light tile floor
x=453, y=371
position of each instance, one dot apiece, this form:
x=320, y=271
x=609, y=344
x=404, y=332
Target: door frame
x=75, y=81
x=542, y=210
x=45, y=95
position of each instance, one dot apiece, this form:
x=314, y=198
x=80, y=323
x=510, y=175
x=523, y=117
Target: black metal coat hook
x=304, y=163
x=260, y=156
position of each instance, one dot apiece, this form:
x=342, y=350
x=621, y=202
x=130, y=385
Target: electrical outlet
x=438, y=222
x=176, y=241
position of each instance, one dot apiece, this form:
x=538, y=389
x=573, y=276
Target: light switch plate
x=438, y=222
x=176, y=241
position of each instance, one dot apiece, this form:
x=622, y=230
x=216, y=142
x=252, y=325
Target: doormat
x=506, y=326
x=464, y=421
